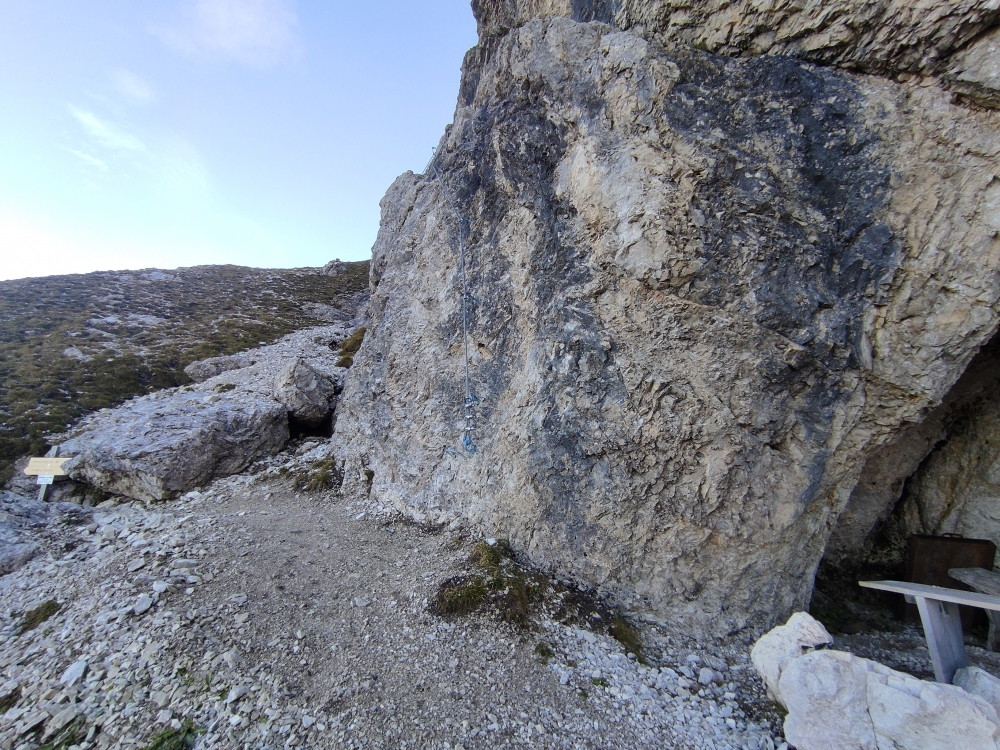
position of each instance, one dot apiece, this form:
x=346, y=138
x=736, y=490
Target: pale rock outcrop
x=801, y=634
x=979, y=682
x=308, y=395
x=837, y=701
x=334, y=268
x=705, y=290
x=158, y=446
x=205, y=369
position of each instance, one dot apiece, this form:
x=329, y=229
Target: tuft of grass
x=507, y=585
x=626, y=635
x=35, y=617
x=599, y=681
x=175, y=739
x=369, y=475
x=544, y=652
x=349, y=347
x=10, y=700
x=72, y=734
x=323, y=475
x=583, y=693
x=461, y=597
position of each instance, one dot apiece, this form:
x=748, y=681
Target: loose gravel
x=273, y=619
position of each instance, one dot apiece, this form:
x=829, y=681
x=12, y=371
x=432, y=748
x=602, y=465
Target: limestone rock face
x=704, y=290
x=306, y=393
x=951, y=40
x=837, y=701
x=157, y=446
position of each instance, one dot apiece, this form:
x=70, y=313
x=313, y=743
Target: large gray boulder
x=157, y=446
x=837, y=701
x=704, y=291
x=309, y=395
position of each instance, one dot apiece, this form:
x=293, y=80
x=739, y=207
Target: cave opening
x=298, y=428
x=939, y=476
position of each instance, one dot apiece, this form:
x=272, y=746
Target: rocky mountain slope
x=707, y=286
x=70, y=345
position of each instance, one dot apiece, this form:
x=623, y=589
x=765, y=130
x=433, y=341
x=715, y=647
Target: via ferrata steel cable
x=470, y=398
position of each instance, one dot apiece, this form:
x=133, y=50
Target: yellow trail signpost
x=46, y=469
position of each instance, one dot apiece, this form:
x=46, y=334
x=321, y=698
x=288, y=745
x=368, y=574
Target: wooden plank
x=938, y=593
x=985, y=582
x=46, y=467
x=943, y=632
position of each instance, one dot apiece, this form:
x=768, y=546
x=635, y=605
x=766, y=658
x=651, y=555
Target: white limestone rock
x=800, y=635
x=159, y=446
x=309, y=395
x=837, y=701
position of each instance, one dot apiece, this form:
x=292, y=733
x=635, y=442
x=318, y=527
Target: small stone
x=236, y=693
x=235, y=720
x=238, y=599
x=143, y=603
x=360, y=601
x=308, y=721
x=74, y=672
x=60, y=720
x=160, y=586
x=242, y=618
x=139, y=562
x=164, y=717
x=706, y=676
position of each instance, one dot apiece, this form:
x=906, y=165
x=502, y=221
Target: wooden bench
x=985, y=582
x=939, y=616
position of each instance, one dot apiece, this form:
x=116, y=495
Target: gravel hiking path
x=272, y=619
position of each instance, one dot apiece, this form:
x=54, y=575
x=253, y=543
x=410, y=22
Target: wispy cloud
x=133, y=87
x=106, y=133
x=252, y=32
x=88, y=159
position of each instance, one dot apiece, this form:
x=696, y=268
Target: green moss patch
x=36, y=616
x=349, y=347
x=175, y=739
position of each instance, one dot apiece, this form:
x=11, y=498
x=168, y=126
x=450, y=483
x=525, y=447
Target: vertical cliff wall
x=705, y=290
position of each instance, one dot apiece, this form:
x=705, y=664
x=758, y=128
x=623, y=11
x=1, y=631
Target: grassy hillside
x=70, y=345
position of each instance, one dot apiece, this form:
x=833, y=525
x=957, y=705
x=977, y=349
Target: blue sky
x=185, y=132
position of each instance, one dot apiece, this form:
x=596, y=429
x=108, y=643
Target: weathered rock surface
x=837, y=701
x=951, y=40
x=308, y=395
x=334, y=268
x=951, y=492
x=21, y=520
x=705, y=290
x=204, y=369
x=157, y=446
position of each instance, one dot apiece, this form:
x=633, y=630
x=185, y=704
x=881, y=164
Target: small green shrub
x=35, y=617
x=626, y=635
x=10, y=700
x=349, y=347
x=175, y=739
x=462, y=596
x=544, y=652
